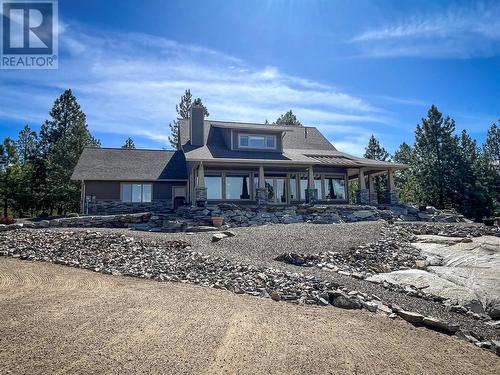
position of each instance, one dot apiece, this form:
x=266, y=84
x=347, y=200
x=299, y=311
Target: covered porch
x=275, y=184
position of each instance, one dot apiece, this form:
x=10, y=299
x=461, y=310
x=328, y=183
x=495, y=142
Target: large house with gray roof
x=220, y=161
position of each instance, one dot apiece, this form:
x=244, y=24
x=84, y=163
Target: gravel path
x=260, y=245
x=63, y=320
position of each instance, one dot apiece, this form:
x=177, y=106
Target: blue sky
x=349, y=68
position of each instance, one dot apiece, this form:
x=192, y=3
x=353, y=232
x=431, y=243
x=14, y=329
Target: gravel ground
x=260, y=245
x=63, y=320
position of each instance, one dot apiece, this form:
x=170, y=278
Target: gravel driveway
x=260, y=245
x=57, y=319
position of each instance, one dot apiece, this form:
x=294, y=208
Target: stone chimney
x=196, y=125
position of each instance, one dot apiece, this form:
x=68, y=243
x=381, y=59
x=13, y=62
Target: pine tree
x=9, y=174
x=405, y=181
x=376, y=152
x=27, y=145
x=492, y=145
x=288, y=119
x=436, y=159
x=183, y=109
x=129, y=143
x=63, y=139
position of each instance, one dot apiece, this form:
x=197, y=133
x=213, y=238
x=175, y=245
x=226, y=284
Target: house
x=221, y=161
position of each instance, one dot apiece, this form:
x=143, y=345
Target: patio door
x=277, y=191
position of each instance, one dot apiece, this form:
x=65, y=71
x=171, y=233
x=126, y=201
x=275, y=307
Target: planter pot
x=217, y=221
x=489, y=222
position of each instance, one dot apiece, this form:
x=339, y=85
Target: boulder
x=344, y=302
x=216, y=237
x=493, y=310
x=363, y=214
x=411, y=316
x=370, y=306
x=441, y=325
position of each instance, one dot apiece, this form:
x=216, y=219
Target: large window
x=303, y=186
x=256, y=141
x=136, y=193
x=237, y=187
x=293, y=188
x=214, y=187
x=335, y=188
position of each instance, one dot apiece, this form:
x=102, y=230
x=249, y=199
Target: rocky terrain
x=175, y=260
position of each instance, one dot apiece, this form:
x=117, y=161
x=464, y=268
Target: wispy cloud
x=463, y=32
x=128, y=84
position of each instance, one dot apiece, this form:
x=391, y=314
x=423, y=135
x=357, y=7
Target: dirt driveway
x=56, y=319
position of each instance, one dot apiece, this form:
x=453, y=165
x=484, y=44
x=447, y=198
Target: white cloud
x=472, y=31
x=129, y=84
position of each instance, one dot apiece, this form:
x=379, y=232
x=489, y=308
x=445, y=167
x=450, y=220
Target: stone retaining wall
x=187, y=218
x=110, y=207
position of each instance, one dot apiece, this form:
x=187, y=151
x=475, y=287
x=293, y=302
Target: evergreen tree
x=129, y=143
x=405, y=181
x=492, y=144
x=27, y=145
x=28, y=190
x=376, y=152
x=436, y=159
x=64, y=137
x=183, y=109
x=288, y=118
x=9, y=174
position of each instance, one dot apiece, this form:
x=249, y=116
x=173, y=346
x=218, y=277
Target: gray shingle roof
x=301, y=145
x=130, y=165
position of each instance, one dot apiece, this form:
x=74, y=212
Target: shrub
x=7, y=220
x=72, y=214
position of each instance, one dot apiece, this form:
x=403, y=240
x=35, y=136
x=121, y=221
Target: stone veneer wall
x=108, y=207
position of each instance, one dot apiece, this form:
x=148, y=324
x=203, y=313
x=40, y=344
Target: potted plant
x=217, y=221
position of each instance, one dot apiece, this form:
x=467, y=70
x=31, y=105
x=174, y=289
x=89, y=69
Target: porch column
x=362, y=194
x=200, y=189
x=311, y=191
x=373, y=192
x=261, y=191
x=391, y=194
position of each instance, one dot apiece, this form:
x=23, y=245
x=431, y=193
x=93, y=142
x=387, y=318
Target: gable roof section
x=118, y=164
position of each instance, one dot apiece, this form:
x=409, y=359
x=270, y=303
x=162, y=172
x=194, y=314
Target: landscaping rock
x=410, y=317
x=344, y=302
x=218, y=236
x=440, y=324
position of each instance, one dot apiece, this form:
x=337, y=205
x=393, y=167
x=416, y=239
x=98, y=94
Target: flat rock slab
x=428, y=282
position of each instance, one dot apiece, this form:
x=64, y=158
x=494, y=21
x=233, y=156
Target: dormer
x=253, y=138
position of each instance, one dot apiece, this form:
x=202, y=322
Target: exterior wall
x=108, y=197
x=103, y=189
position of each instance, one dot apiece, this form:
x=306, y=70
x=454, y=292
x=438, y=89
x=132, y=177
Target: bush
x=72, y=214
x=7, y=220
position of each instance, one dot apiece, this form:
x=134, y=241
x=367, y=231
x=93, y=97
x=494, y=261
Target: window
x=303, y=186
x=237, y=187
x=214, y=187
x=335, y=188
x=317, y=186
x=136, y=193
x=257, y=141
x=293, y=188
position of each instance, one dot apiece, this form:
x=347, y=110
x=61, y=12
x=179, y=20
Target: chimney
x=196, y=125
